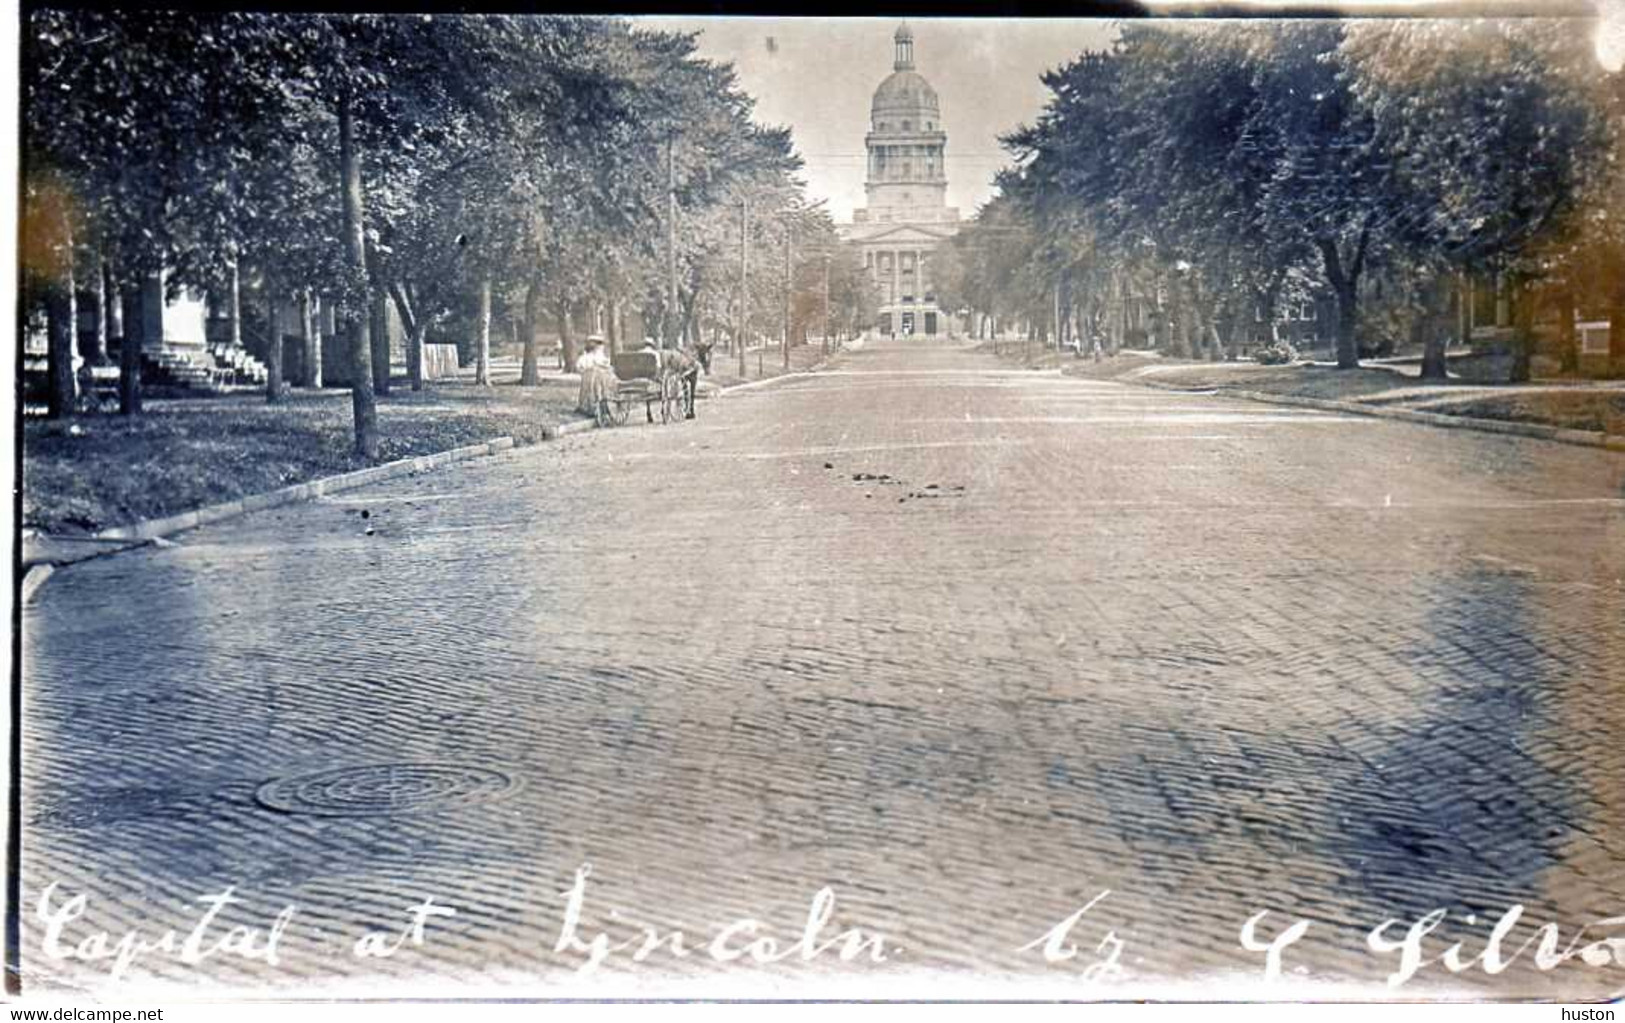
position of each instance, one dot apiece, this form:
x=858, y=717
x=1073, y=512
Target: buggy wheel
x=618, y=412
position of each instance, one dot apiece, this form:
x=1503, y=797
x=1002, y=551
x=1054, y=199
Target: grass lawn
x=1306, y=381
x=1579, y=410
x=1570, y=406
x=93, y=472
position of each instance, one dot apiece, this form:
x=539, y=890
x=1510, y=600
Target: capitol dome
x=905, y=94
x=905, y=101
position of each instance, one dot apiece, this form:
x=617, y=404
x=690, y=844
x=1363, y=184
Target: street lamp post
x=792, y=218
x=670, y=340
x=826, y=304
x=789, y=288
x=744, y=284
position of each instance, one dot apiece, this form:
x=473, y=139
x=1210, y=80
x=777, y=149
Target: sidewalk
x=1596, y=406
x=764, y=363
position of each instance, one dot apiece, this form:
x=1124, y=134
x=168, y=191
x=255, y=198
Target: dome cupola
x=905, y=101
x=905, y=48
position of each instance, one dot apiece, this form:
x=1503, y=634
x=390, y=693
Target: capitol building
x=907, y=215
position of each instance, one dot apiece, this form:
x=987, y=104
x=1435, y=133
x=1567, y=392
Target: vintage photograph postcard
x=553, y=506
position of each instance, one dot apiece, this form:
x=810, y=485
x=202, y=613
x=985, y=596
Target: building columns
x=896, y=286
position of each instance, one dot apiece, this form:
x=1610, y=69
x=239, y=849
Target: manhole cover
x=381, y=789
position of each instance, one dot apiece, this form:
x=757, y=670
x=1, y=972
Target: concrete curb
x=554, y=431
x=33, y=579
x=1538, y=431
x=152, y=529
x=793, y=374
x=750, y=384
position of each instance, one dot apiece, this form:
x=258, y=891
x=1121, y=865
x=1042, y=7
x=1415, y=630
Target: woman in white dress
x=597, y=375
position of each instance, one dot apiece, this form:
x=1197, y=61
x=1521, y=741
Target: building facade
x=906, y=216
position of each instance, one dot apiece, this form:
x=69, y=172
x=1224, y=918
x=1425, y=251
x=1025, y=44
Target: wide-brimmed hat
x=593, y=340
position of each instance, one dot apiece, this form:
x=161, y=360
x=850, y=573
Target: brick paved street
x=1214, y=656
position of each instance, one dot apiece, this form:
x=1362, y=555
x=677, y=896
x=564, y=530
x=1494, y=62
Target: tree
x=47, y=264
x=1219, y=170
x=346, y=161
x=1499, y=126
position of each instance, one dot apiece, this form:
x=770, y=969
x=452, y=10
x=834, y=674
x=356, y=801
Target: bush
x=1277, y=353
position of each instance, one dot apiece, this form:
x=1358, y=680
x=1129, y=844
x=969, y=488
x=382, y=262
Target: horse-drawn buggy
x=651, y=378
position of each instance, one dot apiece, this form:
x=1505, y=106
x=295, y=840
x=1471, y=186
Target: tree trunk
x=137, y=318
x=528, y=375
x=1199, y=322
x=415, y=329
x=61, y=330
x=273, y=362
x=1269, y=297
x=415, y=340
x=1157, y=335
x=1436, y=328
x=1204, y=340
x=1523, y=328
x=1345, y=283
x=310, y=324
x=114, y=299
x=97, y=354
x=1464, y=307
x=377, y=321
x=1234, y=318
x=1348, y=318
x=1179, y=335
x=378, y=310
x=1568, y=339
x=482, y=349
x=567, y=340
x=235, y=297
x=685, y=319
x=614, y=325
x=1616, y=317
x=364, y=406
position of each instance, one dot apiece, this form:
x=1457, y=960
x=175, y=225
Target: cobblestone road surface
x=967, y=646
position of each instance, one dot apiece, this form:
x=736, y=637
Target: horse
x=680, y=367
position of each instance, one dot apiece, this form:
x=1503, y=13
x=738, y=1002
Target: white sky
x=817, y=75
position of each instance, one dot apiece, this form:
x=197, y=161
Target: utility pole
x=669, y=341
x=789, y=288
x=826, y=303
x=744, y=283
